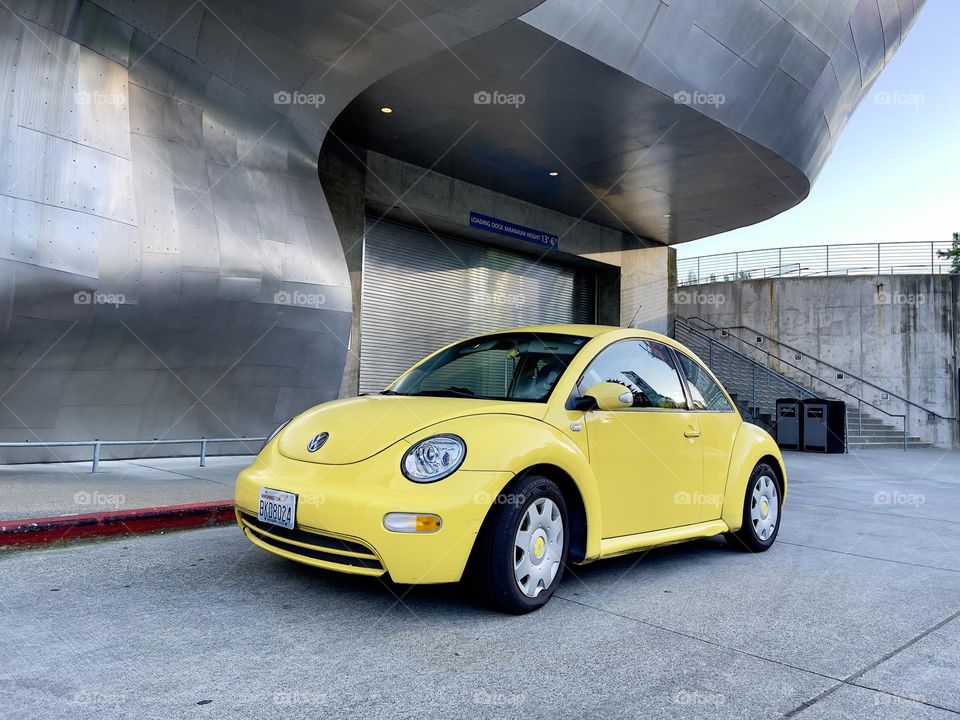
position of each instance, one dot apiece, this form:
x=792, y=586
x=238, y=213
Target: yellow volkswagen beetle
x=502, y=458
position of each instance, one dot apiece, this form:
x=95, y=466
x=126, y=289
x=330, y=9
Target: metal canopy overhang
x=628, y=156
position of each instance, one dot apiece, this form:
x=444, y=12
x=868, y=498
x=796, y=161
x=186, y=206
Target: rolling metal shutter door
x=421, y=293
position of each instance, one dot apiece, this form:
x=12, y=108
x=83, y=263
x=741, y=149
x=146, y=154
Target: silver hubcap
x=764, y=507
x=538, y=547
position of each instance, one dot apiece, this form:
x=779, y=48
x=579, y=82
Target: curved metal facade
x=790, y=73
x=671, y=121
x=169, y=263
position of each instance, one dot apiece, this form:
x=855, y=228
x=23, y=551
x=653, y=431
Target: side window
x=704, y=392
x=645, y=368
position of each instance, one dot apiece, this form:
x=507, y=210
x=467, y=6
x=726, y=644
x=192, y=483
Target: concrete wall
x=647, y=285
x=900, y=332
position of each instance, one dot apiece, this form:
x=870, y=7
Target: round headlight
x=434, y=458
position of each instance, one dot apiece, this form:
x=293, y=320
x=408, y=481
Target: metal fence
x=894, y=258
x=98, y=444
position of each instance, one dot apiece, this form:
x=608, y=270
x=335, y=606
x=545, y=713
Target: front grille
x=321, y=546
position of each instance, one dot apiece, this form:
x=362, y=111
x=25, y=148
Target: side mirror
x=608, y=396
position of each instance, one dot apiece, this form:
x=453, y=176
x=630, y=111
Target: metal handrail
x=815, y=359
x=860, y=400
x=890, y=258
x=750, y=360
x=97, y=444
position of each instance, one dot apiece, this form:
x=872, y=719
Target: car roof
x=590, y=331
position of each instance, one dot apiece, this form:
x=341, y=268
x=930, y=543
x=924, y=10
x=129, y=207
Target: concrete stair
x=870, y=432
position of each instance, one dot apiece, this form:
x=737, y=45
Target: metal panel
x=868, y=38
x=422, y=291
x=162, y=117
x=55, y=171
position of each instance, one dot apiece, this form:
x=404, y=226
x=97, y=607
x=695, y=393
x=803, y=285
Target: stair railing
x=685, y=327
x=791, y=348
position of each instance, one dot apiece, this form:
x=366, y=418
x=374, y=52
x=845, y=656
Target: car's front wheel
x=521, y=550
x=761, y=511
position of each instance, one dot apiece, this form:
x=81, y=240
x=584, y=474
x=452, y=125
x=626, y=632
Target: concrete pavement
x=854, y=613
x=48, y=489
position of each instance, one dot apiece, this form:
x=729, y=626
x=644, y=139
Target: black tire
x=747, y=537
x=491, y=574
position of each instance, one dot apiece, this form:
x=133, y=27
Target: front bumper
x=340, y=510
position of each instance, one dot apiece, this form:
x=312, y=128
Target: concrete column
x=343, y=175
x=648, y=282
x=955, y=364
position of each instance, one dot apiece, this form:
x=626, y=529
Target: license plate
x=278, y=508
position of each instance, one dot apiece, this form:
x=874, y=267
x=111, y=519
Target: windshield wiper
x=449, y=392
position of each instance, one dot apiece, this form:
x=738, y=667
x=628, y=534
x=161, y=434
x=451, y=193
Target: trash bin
x=824, y=426
x=789, y=427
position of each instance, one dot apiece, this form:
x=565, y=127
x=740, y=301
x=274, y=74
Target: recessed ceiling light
x=386, y=110
x=553, y=173
x=667, y=215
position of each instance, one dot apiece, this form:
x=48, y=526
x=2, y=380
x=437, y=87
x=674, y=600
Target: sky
x=894, y=174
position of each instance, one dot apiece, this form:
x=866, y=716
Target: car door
x=719, y=423
x=646, y=458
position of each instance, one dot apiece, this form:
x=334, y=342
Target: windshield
x=520, y=366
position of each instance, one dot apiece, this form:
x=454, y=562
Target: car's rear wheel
x=761, y=512
x=521, y=551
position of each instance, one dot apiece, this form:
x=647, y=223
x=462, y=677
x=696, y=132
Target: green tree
x=953, y=254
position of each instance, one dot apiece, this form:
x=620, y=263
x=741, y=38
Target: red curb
x=42, y=531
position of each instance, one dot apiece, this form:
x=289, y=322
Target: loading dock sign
x=512, y=230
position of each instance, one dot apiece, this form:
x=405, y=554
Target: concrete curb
x=43, y=531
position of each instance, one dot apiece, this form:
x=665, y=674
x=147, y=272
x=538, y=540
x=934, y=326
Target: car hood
x=361, y=427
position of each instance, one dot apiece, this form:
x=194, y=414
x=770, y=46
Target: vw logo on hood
x=317, y=442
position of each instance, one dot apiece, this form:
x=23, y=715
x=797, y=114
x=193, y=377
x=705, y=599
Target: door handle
x=691, y=433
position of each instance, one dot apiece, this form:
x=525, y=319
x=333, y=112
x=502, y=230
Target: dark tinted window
x=645, y=368
x=704, y=392
x=509, y=366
